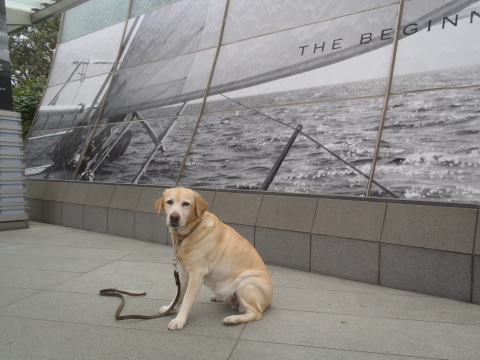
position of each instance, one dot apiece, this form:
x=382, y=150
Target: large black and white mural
x=345, y=97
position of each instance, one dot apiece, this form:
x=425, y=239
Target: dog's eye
x=169, y=202
x=185, y=203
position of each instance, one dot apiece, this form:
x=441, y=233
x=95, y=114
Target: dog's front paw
x=230, y=320
x=215, y=299
x=176, y=324
x=164, y=309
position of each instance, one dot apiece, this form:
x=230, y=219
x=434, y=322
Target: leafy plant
x=26, y=97
x=31, y=53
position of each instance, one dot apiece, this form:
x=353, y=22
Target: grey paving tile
x=33, y=279
x=397, y=305
x=254, y=350
x=367, y=334
x=161, y=288
x=2, y=245
x=9, y=295
x=45, y=340
x=6, y=240
x=126, y=275
x=303, y=280
x=161, y=254
x=97, y=310
x=126, y=268
x=65, y=251
x=84, y=239
x=40, y=230
x=345, y=258
x=156, y=288
x=49, y=263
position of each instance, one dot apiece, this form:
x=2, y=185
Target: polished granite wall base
x=426, y=247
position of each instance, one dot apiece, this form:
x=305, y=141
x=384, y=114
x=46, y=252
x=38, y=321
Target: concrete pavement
x=50, y=309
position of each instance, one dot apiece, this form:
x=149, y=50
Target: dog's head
x=181, y=206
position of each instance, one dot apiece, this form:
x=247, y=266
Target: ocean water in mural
x=430, y=148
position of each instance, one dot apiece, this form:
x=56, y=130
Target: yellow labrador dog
x=210, y=252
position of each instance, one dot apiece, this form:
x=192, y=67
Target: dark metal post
x=278, y=163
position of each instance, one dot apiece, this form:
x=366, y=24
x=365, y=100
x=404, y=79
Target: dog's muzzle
x=174, y=220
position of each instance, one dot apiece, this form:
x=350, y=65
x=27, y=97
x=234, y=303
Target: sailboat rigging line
x=387, y=98
x=55, y=98
x=110, y=148
x=316, y=142
x=99, y=111
x=168, y=163
x=205, y=94
x=158, y=147
x=158, y=144
x=147, y=127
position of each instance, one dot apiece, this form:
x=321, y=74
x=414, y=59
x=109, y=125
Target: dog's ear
x=200, y=205
x=159, y=205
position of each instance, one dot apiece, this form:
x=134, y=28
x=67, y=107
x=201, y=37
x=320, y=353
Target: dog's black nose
x=174, y=218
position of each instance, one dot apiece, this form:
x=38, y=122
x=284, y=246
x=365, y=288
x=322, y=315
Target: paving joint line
x=375, y=317
x=346, y=350
x=179, y=333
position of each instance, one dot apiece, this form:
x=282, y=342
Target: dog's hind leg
x=250, y=298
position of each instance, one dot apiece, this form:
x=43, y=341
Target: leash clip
x=175, y=262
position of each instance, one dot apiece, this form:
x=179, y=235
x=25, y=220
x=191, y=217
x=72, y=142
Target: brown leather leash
x=118, y=293
x=177, y=241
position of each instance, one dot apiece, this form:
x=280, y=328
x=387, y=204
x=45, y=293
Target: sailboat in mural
x=167, y=57
x=249, y=62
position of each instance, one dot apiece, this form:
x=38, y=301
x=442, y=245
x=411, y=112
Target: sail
x=170, y=57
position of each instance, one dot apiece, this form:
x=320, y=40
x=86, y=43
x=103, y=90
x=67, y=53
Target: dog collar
x=178, y=238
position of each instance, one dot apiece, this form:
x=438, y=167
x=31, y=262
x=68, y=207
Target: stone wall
x=426, y=247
